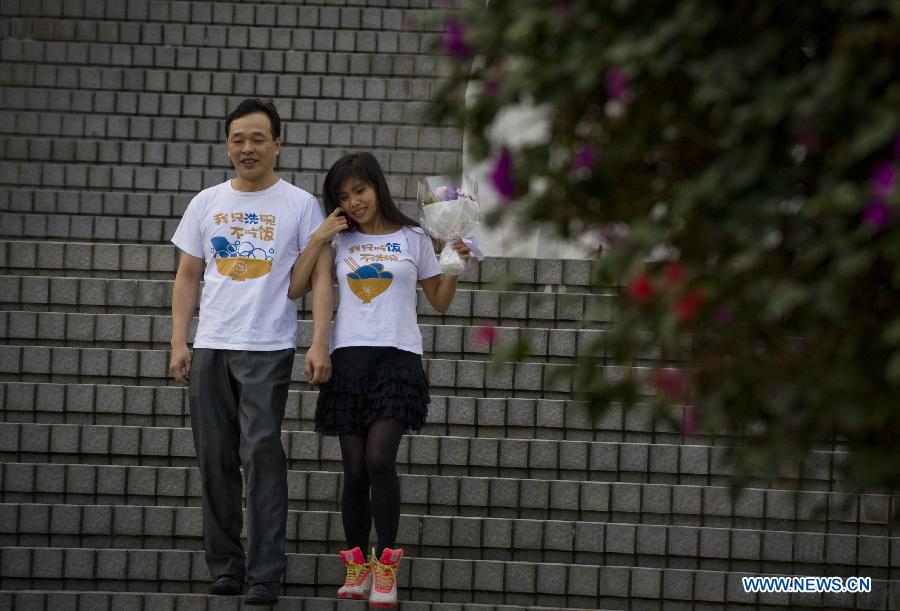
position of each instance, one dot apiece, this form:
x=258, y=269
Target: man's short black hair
x=251, y=105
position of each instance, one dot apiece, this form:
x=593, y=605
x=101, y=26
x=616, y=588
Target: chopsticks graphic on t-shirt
x=352, y=264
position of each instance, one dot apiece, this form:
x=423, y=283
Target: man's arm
x=318, y=362
x=184, y=304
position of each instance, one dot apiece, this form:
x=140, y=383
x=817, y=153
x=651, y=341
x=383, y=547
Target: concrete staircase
x=512, y=497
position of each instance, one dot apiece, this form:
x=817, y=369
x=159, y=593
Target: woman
x=378, y=389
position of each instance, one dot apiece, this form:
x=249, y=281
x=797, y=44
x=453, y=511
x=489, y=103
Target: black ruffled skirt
x=370, y=383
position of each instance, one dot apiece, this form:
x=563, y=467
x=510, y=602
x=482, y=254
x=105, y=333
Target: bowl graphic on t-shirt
x=369, y=281
x=230, y=263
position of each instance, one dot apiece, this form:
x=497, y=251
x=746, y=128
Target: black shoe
x=225, y=585
x=262, y=594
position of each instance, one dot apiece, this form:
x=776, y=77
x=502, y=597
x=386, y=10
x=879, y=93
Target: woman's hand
x=333, y=224
x=463, y=250
x=318, y=365
x=457, y=245
x=302, y=269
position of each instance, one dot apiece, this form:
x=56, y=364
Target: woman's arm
x=303, y=266
x=439, y=290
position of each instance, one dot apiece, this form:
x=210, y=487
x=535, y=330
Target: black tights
x=371, y=486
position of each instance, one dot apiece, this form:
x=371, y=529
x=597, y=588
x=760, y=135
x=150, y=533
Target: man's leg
x=214, y=424
x=264, y=379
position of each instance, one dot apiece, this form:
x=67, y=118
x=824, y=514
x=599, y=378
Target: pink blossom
x=640, y=289
x=883, y=178
x=501, y=176
x=689, y=421
x=486, y=334
x=723, y=316
x=614, y=235
x=809, y=140
x=674, y=273
x=877, y=214
x=584, y=157
x=617, y=85
x=454, y=40
x=670, y=382
x=687, y=307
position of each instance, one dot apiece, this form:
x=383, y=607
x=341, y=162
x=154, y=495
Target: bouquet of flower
x=449, y=211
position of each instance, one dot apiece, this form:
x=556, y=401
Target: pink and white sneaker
x=358, y=581
x=384, y=594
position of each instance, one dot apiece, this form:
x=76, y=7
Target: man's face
x=251, y=148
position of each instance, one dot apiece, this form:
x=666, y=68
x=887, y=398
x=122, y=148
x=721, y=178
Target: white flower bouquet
x=449, y=211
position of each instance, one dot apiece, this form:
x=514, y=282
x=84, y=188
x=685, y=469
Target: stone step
x=296, y=28
x=111, y=164
x=135, y=154
x=422, y=579
x=182, y=105
x=45, y=600
x=159, y=261
x=504, y=539
x=35, y=56
x=176, y=180
x=420, y=454
x=165, y=97
x=109, y=404
x=128, y=178
x=180, y=134
x=560, y=310
x=100, y=203
x=150, y=367
x=380, y=5
x=382, y=15
x=445, y=341
x=129, y=153
x=81, y=228
x=487, y=497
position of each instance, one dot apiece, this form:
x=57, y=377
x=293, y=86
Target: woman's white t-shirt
x=249, y=241
x=376, y=277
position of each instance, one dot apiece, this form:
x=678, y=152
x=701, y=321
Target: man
x=242, y=238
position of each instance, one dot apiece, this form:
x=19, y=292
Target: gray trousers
x=237, y=401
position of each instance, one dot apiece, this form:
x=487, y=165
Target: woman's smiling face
x=358, y=200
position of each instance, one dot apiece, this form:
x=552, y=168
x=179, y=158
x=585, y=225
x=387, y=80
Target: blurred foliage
x=740, y=164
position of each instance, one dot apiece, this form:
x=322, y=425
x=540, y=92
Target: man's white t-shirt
x=376, y=277
x=250, y=241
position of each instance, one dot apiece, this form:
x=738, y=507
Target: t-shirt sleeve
x=310, y=218
x=427, y=262
x=189, y=235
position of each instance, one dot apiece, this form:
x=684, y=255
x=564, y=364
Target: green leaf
x=892, y=370
x=891, y=334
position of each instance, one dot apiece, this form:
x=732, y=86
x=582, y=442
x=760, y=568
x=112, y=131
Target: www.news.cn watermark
x=811, y=585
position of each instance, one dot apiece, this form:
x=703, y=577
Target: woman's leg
x=355, y=509
x=382, y=444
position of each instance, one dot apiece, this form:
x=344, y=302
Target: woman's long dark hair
x=365, y=168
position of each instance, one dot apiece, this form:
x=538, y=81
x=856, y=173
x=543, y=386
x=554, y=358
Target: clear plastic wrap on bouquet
x=449, y=210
